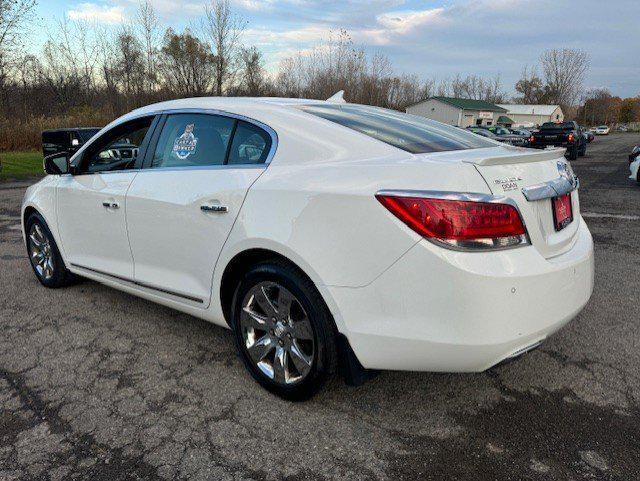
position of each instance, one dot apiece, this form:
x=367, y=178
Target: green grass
x=18, y=165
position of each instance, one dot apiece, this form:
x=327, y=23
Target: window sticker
x=185, y=145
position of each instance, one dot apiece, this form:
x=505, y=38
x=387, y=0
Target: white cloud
x=97, y=13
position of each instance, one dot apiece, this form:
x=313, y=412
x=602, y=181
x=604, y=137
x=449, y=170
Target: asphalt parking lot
x=97, y=384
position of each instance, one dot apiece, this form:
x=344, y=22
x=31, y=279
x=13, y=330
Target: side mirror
x=57, y=164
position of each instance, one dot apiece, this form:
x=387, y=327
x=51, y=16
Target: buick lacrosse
x=330, y=237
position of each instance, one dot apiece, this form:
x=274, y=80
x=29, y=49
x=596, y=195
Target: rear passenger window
x=193, y=140
x=251, y=144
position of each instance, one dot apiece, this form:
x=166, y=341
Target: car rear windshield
x=559, y=125
x=407, y=132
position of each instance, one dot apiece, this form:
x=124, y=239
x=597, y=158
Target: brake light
x=532, y=139
x=459, y=223
x=570, y=137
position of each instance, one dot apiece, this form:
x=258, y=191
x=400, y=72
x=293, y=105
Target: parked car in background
x=588, y=135
x=506, y=136
x=414, y=245
x=623, y=128
x=634, y=163
x=66, y=140
x=483, y=132
x=493, y=133
x=602, y=130
x=560, y=134
x=522, y=132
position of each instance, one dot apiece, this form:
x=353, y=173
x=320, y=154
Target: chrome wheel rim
x=40, y=252
x=277, y=333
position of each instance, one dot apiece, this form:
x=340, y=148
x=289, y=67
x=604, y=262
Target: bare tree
x=149, y=28
x=600, y=107
x=530, y=87
x=253, y=75
x=224, y=29
x=14, y=20
x=187, y=64
x=564, y=71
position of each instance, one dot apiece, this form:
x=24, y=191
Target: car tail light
x=462, y=224
x=532, y=139
x=570, y=137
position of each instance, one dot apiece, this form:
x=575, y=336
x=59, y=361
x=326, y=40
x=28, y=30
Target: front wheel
x=44, y=254
x=284, y=331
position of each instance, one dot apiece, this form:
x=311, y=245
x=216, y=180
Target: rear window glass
x=407, y=132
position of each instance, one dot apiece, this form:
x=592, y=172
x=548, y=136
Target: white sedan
x=328, y=236
x=601, y=130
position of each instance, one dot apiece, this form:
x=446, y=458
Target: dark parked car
x=560, y=134
x=66, y=140
x=502, y=134
x=523, y=132
x=483, y=132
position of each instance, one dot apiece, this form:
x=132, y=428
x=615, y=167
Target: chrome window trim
x=223, y=113
x=468, y=197
x=263, y=165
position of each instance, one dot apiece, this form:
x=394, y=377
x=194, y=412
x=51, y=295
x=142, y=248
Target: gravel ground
x=97, y=384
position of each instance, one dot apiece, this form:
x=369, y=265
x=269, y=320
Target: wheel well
x=27, y=213
x=238, y=266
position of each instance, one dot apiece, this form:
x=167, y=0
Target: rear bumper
x=564, y=145
x=441, y=310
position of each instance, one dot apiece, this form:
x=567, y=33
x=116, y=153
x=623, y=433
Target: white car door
x=91, y=214
x=183, y=203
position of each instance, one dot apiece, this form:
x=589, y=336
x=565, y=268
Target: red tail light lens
x=532, y=139
x=570, y=137
x=459, y=223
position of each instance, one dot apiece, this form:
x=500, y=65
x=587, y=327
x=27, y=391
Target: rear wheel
x=573, y=153
x=583, y=151
x=284, y=331
x=44, y=255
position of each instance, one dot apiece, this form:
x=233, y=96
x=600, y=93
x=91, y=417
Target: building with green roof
x=458, y=112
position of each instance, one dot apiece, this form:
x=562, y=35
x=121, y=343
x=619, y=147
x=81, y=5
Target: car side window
x=193, y=140
x=251, y=144
x=117, y=149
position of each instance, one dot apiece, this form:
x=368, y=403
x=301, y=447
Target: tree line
x=88, y=74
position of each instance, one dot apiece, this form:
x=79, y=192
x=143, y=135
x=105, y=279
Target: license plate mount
x=562, y=211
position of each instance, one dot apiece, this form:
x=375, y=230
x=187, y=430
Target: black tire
x=57, y=274
x=573, y=153
x=583, y=151
x=279, y=274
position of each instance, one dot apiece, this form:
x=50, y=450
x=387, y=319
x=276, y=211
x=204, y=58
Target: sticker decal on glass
x=185, y=145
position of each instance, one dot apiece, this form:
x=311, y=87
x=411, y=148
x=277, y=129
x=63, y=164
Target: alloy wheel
x=277, y=333
x=40, y=252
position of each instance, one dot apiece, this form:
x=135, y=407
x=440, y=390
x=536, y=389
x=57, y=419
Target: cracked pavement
x=97, y=384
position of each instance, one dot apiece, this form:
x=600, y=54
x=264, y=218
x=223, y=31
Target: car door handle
x=214, y=208
x=110, y=205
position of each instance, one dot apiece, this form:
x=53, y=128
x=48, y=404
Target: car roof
x=70, y=129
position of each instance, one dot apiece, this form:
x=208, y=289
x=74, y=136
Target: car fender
x=42, y=197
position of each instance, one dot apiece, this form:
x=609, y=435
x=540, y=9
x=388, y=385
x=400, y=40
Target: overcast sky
x=433, y=39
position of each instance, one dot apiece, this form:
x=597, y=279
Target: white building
x=458, y=112
x=531, y=115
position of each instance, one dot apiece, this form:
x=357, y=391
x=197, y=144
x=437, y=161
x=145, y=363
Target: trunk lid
x=508, y=171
